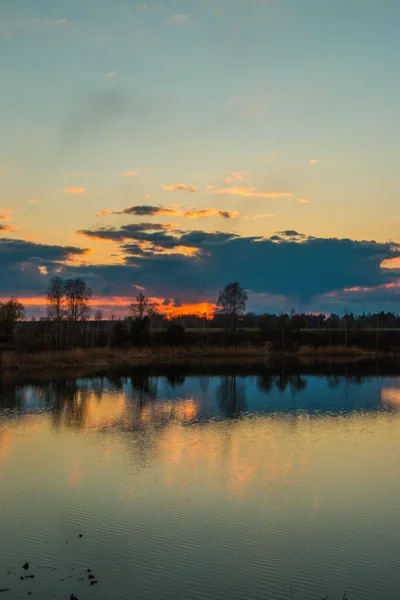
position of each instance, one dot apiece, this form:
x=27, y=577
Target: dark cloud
x=14, y=251
x=291, y=233
x=134, y=231
x=145, y=210
x=288, y=265
x=285, y=270
x=20, y=262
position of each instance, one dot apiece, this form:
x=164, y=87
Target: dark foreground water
x=201, y=487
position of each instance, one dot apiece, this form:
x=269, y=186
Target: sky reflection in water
x=203, y=486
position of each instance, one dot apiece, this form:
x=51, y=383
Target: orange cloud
x=8, y=228
x=313, y=161
x=185, y=250
x=129, y=174
x=303, y=201
x=32, y=201
x=111, y=74
x=211, y=212
x=119, y=304
x=251, y=192
x=172, y=209
x=74, y=190
x=198, y=308
x=391, y=263
x=179, y=187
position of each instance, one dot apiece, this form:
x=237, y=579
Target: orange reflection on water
x=178, y=410
x=105, y=412
x=5, y=444
x=391, y=397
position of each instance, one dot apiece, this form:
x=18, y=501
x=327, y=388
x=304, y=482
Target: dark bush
x=175, y=333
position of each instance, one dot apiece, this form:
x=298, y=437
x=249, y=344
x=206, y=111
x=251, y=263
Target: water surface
x=201, y=486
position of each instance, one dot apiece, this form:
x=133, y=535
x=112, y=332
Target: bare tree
x=78, y=295
x=56, y=299
x=98, y=316
x=142, y=307
x=232, y=302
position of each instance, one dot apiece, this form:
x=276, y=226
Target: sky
x=172, y=147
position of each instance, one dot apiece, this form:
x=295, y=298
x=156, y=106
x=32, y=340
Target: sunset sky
x=174, y=146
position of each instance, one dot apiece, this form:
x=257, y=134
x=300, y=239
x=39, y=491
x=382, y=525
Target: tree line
x=70, y=320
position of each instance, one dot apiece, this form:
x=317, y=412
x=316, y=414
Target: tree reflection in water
x=147, y=397
x=231, y=395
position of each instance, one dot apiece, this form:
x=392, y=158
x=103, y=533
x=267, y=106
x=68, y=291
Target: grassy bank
x=109, y=357
x=96, y=359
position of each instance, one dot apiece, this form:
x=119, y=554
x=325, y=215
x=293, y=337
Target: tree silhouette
x=141, y=307
x=56, y=299
x=78, y=295
x=10, y=312
x=232, y=302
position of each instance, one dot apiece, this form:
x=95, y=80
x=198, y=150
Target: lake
x=200, y=484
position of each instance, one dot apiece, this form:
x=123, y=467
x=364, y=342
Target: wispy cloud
x=235, y=176
x=271, y=155
x=313, y=161
x=142, y=6
x=104, y=212
x=111, y=74
x=251, y=192
x=32, y=201
x=181, y=19
x=129, y=174
x=303, y=201
x=262, y=216
x=51, y=21
x=178, y=187
x=7, y=228
x=74, y=190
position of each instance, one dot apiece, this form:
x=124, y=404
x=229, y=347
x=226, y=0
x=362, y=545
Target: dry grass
x=333, y=351
x=109, y=357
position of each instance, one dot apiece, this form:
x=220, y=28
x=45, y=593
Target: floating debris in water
x=25, y=566
x=4, y=590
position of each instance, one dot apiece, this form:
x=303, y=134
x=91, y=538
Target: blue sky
x=284, y=111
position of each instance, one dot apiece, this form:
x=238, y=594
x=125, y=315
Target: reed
x=335, y=351
x=109, y=357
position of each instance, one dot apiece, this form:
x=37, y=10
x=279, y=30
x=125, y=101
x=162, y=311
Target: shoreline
x=97, y=360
